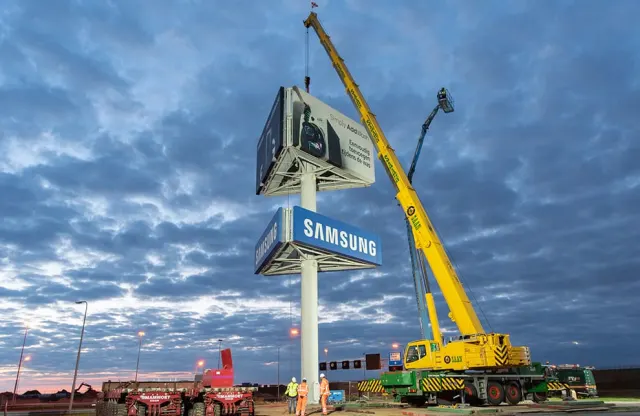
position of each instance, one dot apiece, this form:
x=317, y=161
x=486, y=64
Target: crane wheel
x=513, y=393
x=495, y=393
x=539, y=397
x=470, y=393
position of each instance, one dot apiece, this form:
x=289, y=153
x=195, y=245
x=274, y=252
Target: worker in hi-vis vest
x=324, y=392
x=292, y=395
x=303, y=391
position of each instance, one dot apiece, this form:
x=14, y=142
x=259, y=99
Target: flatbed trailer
x=213, y=395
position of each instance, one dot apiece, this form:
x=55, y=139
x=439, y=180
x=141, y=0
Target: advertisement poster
x=329, y=135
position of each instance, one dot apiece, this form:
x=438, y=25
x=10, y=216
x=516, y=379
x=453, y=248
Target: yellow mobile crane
x=475, y=349
x=501, y=369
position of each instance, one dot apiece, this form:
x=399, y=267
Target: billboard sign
x=272, y=238
x=329, y=135
x=315, y=230
x=271, y=141
x=395, y=359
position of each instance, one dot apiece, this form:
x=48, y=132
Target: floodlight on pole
x=199, y=364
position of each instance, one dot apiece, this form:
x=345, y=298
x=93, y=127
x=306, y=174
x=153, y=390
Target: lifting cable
x=307, y=79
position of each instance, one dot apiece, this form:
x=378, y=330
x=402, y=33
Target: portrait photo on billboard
x=325, y=133
x=313, y=132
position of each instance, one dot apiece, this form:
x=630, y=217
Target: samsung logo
x=339, y=238
x=268, y=241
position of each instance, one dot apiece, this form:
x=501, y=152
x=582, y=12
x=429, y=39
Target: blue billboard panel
x=271, y=140
x=271, y=239
x=315, y=230
x=395, y=359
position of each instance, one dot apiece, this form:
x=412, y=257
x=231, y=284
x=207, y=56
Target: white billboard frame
x=331, y=173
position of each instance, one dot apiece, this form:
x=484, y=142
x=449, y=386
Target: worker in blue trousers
x=292, y=395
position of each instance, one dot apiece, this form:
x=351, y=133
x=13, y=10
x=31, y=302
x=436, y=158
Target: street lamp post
x=293, y=333
x=24, y=340
x=24, y=360
x=278, y=373
x=75, y=373
x=198, y=365
x=140, y=335
x=219, y=352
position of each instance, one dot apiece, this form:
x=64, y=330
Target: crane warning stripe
x=502, y=355
x=434, y=384
x=373, y=386
x=552, y=385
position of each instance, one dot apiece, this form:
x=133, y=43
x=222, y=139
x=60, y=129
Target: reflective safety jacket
x=324, y=387
x=292, y=389
x=303, y=390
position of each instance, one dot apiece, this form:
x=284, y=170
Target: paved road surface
x=586, y=413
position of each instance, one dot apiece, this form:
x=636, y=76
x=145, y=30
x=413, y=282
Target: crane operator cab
x=445, y=101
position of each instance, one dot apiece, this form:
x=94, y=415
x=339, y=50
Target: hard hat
x=321, y=375
x=293, y=379
x=304, y=379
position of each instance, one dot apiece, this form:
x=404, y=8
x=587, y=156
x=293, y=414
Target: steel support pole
x=309, y=298
x=15, y=386
x=138, y=360
x=75, y=373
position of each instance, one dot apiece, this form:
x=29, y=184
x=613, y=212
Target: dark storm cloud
x=531, y=182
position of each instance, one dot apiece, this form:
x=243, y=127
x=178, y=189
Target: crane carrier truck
x=480, y=366
x=213, y=395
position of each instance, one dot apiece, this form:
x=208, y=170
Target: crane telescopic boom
x=425, y=236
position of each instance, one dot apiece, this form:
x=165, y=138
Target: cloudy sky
x=127, y=160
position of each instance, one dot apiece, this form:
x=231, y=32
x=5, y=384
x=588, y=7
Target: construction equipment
x=578, y=378
x=486, y=366
x=424, y=297
x=213, y=395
